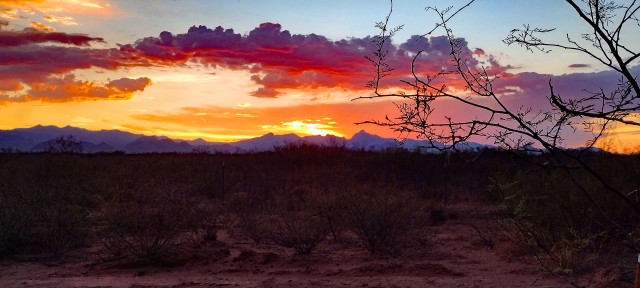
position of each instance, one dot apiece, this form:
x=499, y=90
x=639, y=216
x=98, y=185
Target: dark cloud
x=571, y=86
x=579, y=66
x=32, y=64
x=531, y=90
x=128, y=85
x=266, y=92
x=415, y=43
x=270, y=35
x=9, y=38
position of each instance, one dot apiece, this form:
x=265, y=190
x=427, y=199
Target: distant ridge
x=40, y=138
x=26, y=139
x=151, y=144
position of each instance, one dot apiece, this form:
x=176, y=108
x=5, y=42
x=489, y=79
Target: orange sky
x=124, y=65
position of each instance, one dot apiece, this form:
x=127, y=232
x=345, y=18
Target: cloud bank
x=38, y=65
x=280, y=60
x=277, y=59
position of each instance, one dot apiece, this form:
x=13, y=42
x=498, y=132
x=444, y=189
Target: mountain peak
x=362, y=132
x=364, y=135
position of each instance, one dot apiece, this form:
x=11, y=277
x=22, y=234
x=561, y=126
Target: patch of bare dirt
x=450, y=257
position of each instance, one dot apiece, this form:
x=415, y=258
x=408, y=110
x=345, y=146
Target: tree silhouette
x=66, y=144
x=612, y=24
x=521, y=128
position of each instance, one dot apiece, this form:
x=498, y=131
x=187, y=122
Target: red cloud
x=68, y=89
x=278, y=59
x=8, y=85
x=283, y=61
x=24, y=61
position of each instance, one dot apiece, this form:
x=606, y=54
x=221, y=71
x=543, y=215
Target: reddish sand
x=450, y=257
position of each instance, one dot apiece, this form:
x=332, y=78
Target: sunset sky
x=229, y=70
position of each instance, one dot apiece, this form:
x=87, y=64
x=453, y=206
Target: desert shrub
x=65, y=144
x=50, y=229
x=250, y=214
x=26, y=229
x=48, y=216
x=558, y=222
x=255, y=225
x=152, y=225
x=211, y=214
x=331, y=208
x=300, y=231
x=61, y=227
x=380, y=218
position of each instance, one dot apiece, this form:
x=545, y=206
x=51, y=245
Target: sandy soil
x=450, y=257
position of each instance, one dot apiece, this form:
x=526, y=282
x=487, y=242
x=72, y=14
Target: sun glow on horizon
x=321, y=127
x=187, y=135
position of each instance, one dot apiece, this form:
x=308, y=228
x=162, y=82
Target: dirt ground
x=452, y=256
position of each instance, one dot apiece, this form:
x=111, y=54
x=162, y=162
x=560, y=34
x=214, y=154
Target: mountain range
x=43, y=138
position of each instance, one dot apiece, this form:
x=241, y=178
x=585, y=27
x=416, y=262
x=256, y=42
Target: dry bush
x=48, y=216
x=249, y=213
x=332, y=210
x=300, y=231
x=41, y=226
x=551, y=217
x=255, y=225
x=381, y=218
x=152, y=226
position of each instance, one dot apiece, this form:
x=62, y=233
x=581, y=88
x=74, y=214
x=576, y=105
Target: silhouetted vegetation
x=157, y=209
x=65, y=144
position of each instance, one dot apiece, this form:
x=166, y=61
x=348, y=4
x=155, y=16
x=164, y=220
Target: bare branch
x=515, y=129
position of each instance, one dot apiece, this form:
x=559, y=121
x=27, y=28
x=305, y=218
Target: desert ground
x=307, y=217
x=453, y=255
